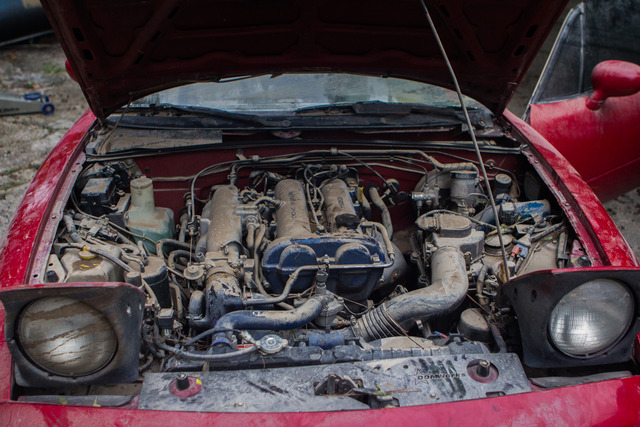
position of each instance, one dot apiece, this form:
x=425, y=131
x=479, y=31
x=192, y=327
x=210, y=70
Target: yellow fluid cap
x=85, y=254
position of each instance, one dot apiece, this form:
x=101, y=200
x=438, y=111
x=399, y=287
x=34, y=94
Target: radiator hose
x=271, y=319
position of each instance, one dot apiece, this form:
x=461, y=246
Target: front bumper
x=613, y=402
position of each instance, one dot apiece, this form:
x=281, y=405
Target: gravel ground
x=25, y=140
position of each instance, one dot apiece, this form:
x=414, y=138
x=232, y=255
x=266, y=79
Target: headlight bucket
x=65, y=336
x=577, y=317
x=591, y=318
x=74, y=333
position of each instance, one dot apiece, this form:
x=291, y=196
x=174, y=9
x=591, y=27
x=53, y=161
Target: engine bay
x=320, y=257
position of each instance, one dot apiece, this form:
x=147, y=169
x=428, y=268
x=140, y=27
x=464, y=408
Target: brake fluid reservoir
x=144, y=218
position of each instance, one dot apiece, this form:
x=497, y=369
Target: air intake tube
x=449, y=286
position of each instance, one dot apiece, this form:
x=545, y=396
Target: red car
x=280, y=212
x=587, y=102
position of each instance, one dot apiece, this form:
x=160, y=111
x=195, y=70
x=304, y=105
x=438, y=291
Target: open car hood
x=120, y=51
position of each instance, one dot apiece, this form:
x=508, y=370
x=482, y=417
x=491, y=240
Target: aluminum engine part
x=463, y=183
x=224, y=237
x=338, y=207
x=292, y=219
x=452, y=230
x=224, y=246
x=296, y=245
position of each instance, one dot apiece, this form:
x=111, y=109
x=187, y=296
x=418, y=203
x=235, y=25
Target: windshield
x=291, y=92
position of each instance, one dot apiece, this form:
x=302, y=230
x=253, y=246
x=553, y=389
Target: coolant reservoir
x=144, y=218
x=84, y=266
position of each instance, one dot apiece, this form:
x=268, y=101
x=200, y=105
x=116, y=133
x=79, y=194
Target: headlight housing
x=74, y=333
x=576, y=317
x=65, y=336
x=591, y=318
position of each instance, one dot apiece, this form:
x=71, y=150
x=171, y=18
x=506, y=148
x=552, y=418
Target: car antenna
x=505, y=266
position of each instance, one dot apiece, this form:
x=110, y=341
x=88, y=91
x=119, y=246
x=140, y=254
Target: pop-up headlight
x=65, y=336
x=579, y=317
x=74, y=333
x=591, y=318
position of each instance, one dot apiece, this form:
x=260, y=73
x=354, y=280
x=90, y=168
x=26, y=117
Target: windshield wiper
x=479, y=117
x=208, y=112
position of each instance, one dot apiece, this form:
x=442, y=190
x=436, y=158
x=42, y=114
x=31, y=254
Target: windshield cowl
x=329, y=117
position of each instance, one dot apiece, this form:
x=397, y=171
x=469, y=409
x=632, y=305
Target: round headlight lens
x=591, y=318
x=66, y=337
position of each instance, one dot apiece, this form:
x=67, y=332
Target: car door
x=586, y=102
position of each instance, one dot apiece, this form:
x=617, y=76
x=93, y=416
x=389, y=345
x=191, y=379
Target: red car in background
x=280, y=212
x=587, y=103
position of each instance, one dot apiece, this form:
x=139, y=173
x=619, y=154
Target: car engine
x=313, y=258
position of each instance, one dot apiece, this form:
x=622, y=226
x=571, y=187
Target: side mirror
x=613, y=78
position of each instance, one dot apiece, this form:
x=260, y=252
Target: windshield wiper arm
x=211, y=112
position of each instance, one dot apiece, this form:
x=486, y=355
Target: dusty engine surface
x=358, y=250
x=304, y=255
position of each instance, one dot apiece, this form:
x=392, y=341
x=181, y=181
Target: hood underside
x=122, y=50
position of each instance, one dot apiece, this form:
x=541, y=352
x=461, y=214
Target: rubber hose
x=272, y=320
x=384, y=211
x=71, y=229
x=449, y=286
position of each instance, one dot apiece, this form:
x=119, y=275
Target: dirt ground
x=25, y=140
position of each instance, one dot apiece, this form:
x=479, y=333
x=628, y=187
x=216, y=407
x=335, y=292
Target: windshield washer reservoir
x=144, y=218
